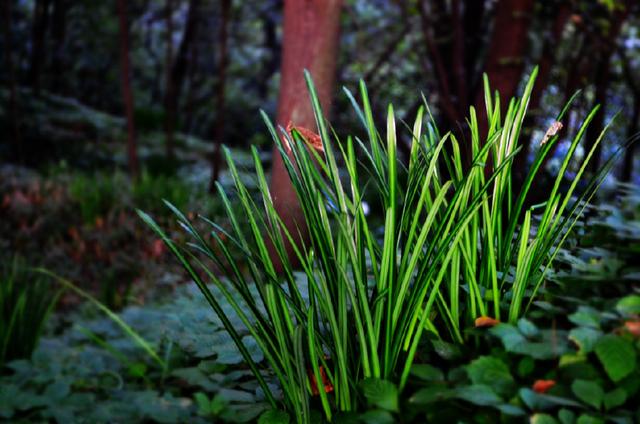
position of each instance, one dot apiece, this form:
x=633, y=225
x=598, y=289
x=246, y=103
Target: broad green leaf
x=478, y=394
x=589, y=392
x=615, y=398
x=431, y=394
x=629, y=305
x=274, y=416
x=566, y=416
x=542, y=419
x=526, y=366
x=492, y=372
x=537, y=401
x=527, y=328
x=589, y=419
x=586, y=317
x=381, y=393
x=585, y=338
x=377, y=416
x=427, y=372
x=617, y=355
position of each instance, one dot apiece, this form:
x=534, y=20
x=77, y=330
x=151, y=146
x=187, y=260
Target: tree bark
x=38, y=33
x=223, y=62
x=310, y=41
x=177, y=74
x=545, y=65
x=601, y=81
x=127, y=93
x=13, y=114
x=169, y=91
x=506, y=51
x=58, y=35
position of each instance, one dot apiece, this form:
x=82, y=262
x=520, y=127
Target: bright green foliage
x=458, y=244
x=26, y=300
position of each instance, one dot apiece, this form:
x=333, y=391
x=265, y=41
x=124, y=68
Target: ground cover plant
x=459, y=248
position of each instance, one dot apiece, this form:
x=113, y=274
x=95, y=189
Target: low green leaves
x=380, y=393
x=491, y=371
x=629, y=305
x=617, y=355
x=274, y=416
x=589, y=392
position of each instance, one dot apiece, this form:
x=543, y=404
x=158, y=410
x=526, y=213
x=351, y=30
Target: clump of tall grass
x=458, y=244
x=26, y=300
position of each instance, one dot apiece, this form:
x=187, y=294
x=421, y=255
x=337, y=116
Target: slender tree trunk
x=38, y=33
x=127, y=93
x=13, y=106
x=169, y=91
x=506, y=53
x=601, y=82
x=271, y=44
x=58, y=34
x=310, y=41
x=545, y=65
x=629, y=155
x=223, y=62
x=177, y=74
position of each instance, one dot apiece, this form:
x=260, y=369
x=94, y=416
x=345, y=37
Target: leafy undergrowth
x=568, y=362
x=574, y=359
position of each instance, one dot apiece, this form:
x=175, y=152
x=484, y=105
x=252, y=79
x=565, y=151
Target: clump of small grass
x=26, y=300
x=458, y=244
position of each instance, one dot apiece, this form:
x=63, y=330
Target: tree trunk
x=169, y=91
x=38, y=32
x=58, y=34
x=506, y=51
x=127, y=93
x=601, y=82
x=177, y=74
x=13, y=115
x=310, y=41
x=545, y=65
x=223, y=62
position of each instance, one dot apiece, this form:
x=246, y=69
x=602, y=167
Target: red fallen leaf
x=99, y=222
x=157, y=248
x=73, y=233
x=633, y=327
x=484, y=322
x=312, y=138
x=543, y=386
x=328, y=387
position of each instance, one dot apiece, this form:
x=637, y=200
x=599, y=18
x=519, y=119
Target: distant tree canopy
x=181, y=61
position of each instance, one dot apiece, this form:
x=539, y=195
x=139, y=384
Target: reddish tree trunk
x=311, y=29
x=505, y=61
x=127, y=93
x=13, y=112
x=223, y=62
x=38, y=32
x=177, y=72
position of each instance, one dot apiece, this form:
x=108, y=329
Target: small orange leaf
x=328, y=387
x=483, y=322
x=310, y=137
x=633, y=327
x=543, y=386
